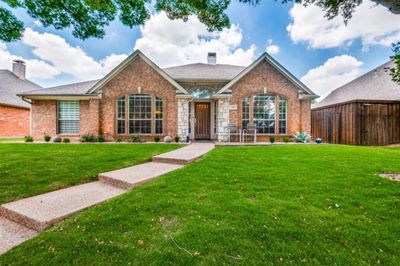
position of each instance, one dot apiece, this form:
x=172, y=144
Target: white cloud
x=173, y=42
x=272, y=48
x=35, y=68
x=335, y=72
x=374, y=24
x=66, y=58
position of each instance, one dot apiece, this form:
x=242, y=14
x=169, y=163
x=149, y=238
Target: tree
x=88, y=18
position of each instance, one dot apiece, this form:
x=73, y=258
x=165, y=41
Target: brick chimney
x=212, y=58
x=19, y=68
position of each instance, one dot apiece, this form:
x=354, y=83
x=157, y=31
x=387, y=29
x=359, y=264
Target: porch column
x=223, y=119
x=183, y=118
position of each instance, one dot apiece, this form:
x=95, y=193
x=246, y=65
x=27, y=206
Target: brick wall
x=266, y=76
x=44, y=118
x=14, y=122
x=138, y=77
x=90, y=122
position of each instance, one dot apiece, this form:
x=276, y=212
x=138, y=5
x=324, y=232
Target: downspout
x=30, y=114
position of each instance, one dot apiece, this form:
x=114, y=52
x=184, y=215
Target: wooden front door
x=203, y=120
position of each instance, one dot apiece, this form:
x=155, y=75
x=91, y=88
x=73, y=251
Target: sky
x=324, y=54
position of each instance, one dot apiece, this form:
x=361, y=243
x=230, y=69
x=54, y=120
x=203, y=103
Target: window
x=264, y=113
x=159, y=116
x=245, y=112
x=282, y=115
x=190, y=118
x=68, y=115
x=121, y=115
x=140, y=114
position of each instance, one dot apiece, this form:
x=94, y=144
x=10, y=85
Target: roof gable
x=11, y=86
x=125, y=63
x=277, y=66
x=376, y=84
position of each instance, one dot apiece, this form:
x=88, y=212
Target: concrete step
x=41, y=212
x=12, y=234
x=128, y=178
x=185, y=155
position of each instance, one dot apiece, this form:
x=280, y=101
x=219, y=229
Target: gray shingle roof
x=374, y=85
x=79, y=88
x=201, y=71
x=11, y=85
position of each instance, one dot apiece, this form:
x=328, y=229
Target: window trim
x=279, y=112
x=58, y=118
x=266, y=119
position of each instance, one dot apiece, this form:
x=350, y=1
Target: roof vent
x=212, y=58
x=19, y=68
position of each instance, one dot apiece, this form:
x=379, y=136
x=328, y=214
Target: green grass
x=31, y=169
x=10, y=140
x=292, y=204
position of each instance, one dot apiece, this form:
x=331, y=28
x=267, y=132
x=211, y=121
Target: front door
x=202, y=120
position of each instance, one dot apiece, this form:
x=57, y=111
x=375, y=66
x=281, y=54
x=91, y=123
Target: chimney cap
x=19, y=61
x=212, y=58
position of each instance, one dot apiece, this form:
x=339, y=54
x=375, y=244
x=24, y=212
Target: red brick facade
x=98, y=116
x=14, y=121
x=264, y=78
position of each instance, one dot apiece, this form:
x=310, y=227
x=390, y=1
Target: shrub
x=101, y=138
x=177, y=138
x=156, y=139
x=56, y=139
x=119, y=139
x=88, y=138
x=66, y=140
x=28, y=139
x=301, y=137
x=47, y=138
x=272, y=139
x=286, y=140
x=136, y=137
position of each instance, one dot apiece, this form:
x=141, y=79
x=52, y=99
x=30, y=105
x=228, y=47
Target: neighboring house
x=14, y=112
x=365, y=111
x=196, y=100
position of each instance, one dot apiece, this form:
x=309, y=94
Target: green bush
x=101, y=138
x=286, y=140
x=272, y=139
x=156, y=139
x=47, y=138
x=66, y=140
x=88, y=138
x=301, y=137
x=177, y=138
x=119, y=139
x=136, y=137
x=28, y=139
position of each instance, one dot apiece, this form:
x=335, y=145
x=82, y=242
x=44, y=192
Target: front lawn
x=31, y=169
x=283, y=204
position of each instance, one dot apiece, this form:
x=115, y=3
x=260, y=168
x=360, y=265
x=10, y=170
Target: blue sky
x=323, y=54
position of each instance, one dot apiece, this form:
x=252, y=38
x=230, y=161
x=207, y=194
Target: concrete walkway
x=23, y=219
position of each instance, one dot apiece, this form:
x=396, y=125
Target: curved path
x=25, y=218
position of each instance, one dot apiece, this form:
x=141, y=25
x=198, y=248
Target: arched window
x=282, y=115
x=264, y=113
x=140, y=114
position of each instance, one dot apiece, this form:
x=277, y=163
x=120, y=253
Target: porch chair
x=251, y=130
x=234, y=131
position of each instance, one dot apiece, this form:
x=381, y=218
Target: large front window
x=68, y=114
x=142, y=113
x=264, y=113
x=267, y=112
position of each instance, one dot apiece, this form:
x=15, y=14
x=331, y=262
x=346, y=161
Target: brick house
x=14, y=112
x=196, y=100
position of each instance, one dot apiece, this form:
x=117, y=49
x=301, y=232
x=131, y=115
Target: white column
x=223, y=119
x=183, y=118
